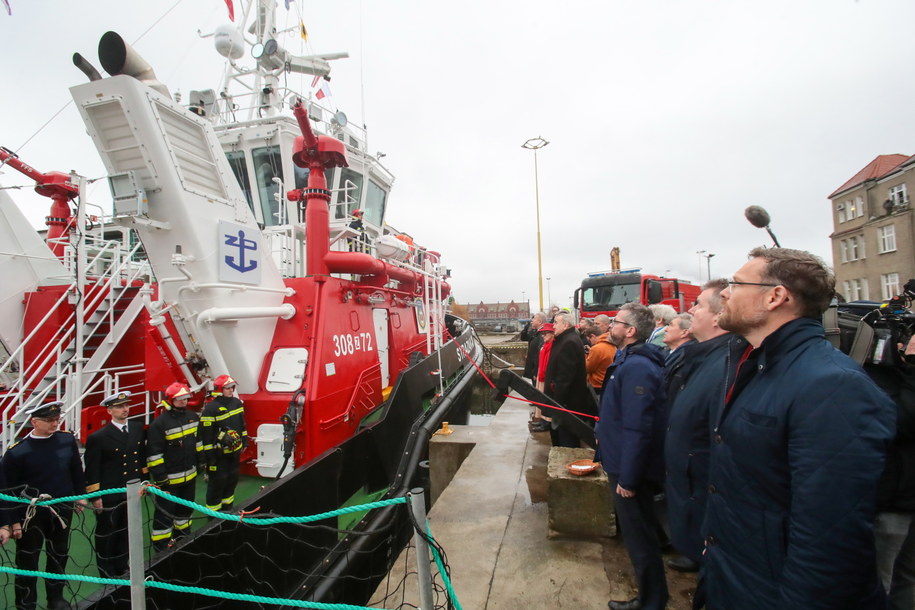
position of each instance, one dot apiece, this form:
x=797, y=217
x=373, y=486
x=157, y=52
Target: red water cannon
x=316, y=153
x=56, y=185
x=310, y=150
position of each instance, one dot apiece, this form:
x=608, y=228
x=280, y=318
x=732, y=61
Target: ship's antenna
x=362, y=75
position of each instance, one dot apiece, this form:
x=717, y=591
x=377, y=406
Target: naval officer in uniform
x=115, y=454
x=46, y=462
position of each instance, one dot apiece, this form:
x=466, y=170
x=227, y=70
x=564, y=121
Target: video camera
x=871, y=335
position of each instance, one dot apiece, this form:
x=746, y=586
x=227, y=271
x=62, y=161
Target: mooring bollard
x=423, y=559
x=135, y=545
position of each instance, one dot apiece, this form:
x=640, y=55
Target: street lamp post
x=708, y=262
x=536, y=144
x=700, y=253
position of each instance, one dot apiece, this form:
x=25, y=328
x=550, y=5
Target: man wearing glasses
x=46, y=462
x=630, y=437
x=796, y=451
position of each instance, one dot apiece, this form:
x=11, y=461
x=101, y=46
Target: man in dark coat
x=630, y=436
x=46, y=462
x=895, y=524
x=534, y=343
x=695, y=383
x=796, y=451
x=565, y=380
x=115, y=454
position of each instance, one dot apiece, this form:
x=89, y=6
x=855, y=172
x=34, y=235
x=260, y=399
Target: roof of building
x=876, y=169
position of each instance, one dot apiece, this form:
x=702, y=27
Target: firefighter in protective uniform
x=172, y=456
x=224, y=438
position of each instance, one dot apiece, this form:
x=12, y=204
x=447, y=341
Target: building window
x=890, y=285
x=852, y=249
x=898, y=195
x=859, y=207
x=855, y=290
x=887, y=238
x=850, y=209
x=840, y=212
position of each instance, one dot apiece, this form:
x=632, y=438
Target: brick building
x=506, y=315
x=873, y=244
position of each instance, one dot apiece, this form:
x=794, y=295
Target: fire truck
x=604, y=292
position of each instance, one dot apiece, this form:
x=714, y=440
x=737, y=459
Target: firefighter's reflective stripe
x=208, y=447
x=214, y=506
x=175, y=433
x=229, y=500
x=154, y=460
x=176, y=478
x=163, y=534
x=229, y=414
x=183, y=524
x=199, y=446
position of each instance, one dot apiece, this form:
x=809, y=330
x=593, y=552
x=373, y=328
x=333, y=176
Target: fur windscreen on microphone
x=757, y=216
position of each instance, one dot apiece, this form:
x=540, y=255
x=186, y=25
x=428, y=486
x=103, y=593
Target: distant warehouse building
x=873, y=244
x=499, y=317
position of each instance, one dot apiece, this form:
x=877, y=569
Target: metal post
x=77, y=388
x=536, y=144
x=135, y=546
x=423, y=569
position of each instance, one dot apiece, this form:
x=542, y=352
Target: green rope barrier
x=94, y=494
x=212, y=513
x=442, y=571
x=274, y=520
x=153, y=584
x=253, y=598
x=228, y=517
x=77, y=577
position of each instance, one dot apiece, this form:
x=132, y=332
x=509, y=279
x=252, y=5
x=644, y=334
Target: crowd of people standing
x=785, y=467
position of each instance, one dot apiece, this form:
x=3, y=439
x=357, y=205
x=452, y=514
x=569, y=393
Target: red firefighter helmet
x=176, y=390
x=222, y=381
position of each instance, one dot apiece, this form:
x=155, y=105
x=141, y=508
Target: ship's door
x=380, y=317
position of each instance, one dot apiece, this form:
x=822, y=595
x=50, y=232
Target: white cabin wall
x=128, y=122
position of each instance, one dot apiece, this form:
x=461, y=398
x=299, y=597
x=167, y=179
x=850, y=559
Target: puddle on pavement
x=535, y=466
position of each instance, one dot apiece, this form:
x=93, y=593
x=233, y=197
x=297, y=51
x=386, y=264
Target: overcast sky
x=665, y=118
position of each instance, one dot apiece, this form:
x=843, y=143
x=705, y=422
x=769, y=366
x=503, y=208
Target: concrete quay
x=493, y=521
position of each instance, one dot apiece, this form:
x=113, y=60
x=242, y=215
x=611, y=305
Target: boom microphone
x=758, y=216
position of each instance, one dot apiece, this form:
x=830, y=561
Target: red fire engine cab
x=604, y=292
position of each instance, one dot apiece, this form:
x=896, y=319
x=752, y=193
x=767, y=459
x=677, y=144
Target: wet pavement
x=492, y=522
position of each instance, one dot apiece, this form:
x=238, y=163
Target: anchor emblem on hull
x=243, y=246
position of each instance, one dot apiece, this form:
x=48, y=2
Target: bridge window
x=240, y=169
x=375, y=197
x=351, y=183
x=267, y=166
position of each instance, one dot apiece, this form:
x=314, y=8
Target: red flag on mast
x=231, y=10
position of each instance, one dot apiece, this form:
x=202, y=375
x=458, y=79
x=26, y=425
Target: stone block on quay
x=578, y=505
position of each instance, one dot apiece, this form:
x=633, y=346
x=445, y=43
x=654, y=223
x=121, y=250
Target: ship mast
x=256, y=38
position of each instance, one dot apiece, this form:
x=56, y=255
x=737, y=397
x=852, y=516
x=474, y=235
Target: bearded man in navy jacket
x=630, y=437
x=797, y=451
